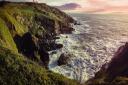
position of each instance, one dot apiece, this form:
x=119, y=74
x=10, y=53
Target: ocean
x=91, y=45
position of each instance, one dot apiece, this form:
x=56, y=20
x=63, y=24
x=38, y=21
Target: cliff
x=27, y=32
x=31, y=29
x=115, y=72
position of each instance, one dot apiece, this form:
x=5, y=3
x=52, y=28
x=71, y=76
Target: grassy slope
x=5, y=37
x=17, y=70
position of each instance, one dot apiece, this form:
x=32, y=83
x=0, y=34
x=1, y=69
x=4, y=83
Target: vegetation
x=18, y=70
x=5, y=37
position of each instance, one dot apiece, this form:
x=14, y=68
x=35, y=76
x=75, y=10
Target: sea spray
x=90, y=46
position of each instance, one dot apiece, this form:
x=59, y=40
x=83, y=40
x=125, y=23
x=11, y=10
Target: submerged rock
x=77, y=23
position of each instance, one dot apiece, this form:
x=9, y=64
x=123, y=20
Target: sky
x=94, y=6
x=91, y=6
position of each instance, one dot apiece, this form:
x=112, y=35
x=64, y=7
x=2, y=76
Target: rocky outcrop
x=63, y=59
x=33, y=28
x=119, y=65
x=115, y=72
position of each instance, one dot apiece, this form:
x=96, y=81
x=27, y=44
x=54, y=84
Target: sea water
x=91, y=45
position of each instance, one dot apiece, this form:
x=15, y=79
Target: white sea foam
x=90, y=45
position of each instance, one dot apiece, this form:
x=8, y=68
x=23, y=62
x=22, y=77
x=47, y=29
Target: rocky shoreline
x=85, y=50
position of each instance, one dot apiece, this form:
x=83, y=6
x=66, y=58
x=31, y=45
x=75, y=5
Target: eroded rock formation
x=115, y=72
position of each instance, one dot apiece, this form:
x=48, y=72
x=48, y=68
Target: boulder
x=64, y=58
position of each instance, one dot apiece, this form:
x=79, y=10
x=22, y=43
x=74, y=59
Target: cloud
x=95, y=6
x=68, y=6
x=88, y=5
x=102, y=6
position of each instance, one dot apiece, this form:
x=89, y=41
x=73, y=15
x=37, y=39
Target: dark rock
x=66, y=36
x=77, y=23
x=26, y=45
x=44, y=56
x=115, y=72
x=2, y=3
x=64, y=58
x=119, y=63
x=57, y=38
x=47, y=23
x=49, y=45
x=67, y=30
x=30, y=46
x=54, y=46
x=58, y=46
x=18, y=41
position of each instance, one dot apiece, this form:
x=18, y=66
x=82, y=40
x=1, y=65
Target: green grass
x=6, y=15
x=5, y=37
x=18, y=27
x=17, y=70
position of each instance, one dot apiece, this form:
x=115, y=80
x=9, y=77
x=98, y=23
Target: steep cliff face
x=115, y=72
x=30, y=29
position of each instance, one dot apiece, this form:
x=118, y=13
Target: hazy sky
x=95, y=5
x=92, y=5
